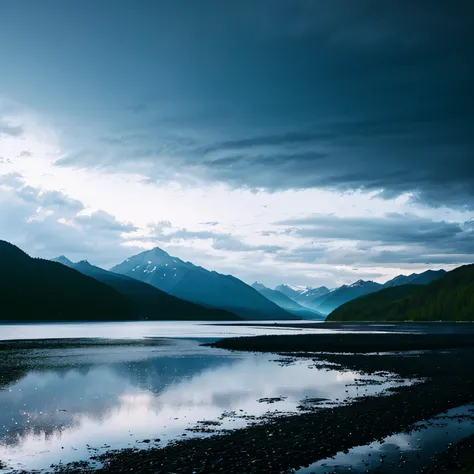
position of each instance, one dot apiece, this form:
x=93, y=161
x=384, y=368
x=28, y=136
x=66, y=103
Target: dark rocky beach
x=432, y=327
x=338, y=342
x=456, y=459
x=443, y=379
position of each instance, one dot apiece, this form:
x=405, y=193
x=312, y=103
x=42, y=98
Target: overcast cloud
x=300, y=141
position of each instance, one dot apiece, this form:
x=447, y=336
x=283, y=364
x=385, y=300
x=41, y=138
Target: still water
x=138, y=329
x=67, y=399
x=402, y=452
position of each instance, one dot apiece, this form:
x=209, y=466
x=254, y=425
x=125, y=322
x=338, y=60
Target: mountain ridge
x=199, y=285
x=327, y=301
x=287, y=303
x=34, y=289
x=415, y=278
x=447, y=298
x=301, y=294
x=331, y=300
x=151, y=302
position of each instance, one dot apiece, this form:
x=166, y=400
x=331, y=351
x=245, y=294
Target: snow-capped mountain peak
x=199, y=285
x=315, y=292
x=301, y=294
x=161, y=252
x=298, y=288
x=290, y=290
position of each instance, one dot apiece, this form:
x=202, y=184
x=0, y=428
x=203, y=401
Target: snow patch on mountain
x=193, y=283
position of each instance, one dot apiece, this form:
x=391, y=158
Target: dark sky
x=265, y=95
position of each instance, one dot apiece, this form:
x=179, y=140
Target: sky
x=306, y=142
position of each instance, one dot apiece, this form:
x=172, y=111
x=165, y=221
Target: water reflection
x=141, y=329
x=402, y=452
x=60, y=401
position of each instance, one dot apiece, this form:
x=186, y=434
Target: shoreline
x=290, y=442
x=353, y=325
x=354, y=342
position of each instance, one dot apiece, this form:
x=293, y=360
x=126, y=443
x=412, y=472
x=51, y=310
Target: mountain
x=373, y=306
x=313, y=303
x=330, y=301
x=287, y=303
x=301, y=294
x=190, y=282
x=415, y=278
x=448, y=298
x=63, y=260
x=312, y=293
x=292, y=291
x=150, y=302
x=259, y=286
x=40, y=290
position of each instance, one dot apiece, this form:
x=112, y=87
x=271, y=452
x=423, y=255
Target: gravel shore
x=337, y=342
x=458, y=458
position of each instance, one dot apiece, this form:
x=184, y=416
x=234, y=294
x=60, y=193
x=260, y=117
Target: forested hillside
x=449, y=298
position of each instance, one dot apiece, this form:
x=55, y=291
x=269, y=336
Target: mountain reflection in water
x=61, y=401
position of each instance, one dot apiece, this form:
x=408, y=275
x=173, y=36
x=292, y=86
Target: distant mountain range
x=192, y=283
x=330, y=301
x=287, y=303
x=156, y=285
x=302, y=294
x=450, y=297
x=415, y=278
x=150, y=302
x=325, y=301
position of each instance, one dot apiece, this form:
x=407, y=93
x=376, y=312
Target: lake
x=65, y=397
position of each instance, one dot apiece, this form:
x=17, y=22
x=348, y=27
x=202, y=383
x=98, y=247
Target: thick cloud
x=7, y=129
x=103, y=222
x=385, y=241
x=220, y=240
x=272, y=94
x=47, y=224
x=392, y=229
x=277, y=95
x=49, y=200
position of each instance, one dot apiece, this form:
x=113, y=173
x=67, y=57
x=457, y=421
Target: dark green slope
x=332, y=300
x=449, y=298
x=40, y=290
x=372, y=307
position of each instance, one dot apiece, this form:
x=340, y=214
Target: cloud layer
x=381, y=241
x=49, y=223
x=372, y=96
x=300, y=141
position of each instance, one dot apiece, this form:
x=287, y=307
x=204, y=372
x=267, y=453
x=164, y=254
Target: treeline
x=449, y=298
